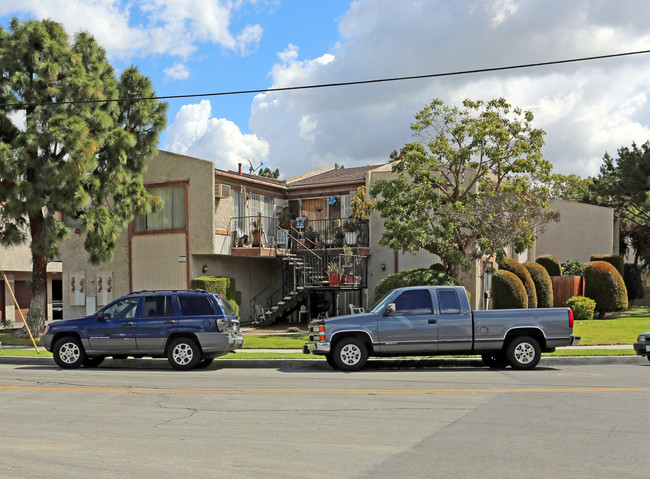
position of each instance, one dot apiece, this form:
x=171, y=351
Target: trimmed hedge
x=616, y=260
x=604, y=284
x=413, y=277
x=550, y=263
x=522, y=273
x=572, y=268
x=633, y=282
x=543, y=284
x=218, y=285
x=508, y=292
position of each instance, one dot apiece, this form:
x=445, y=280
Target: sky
x=210, y=46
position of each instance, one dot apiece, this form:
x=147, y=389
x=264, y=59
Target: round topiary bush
x=605, y=285
x=572, y=268
x=633, y=282
x=413, y=277
x=508, y=291
x=551, y=264
x=616, y=260
x=583, y=308
x=522, y=273
x=543, y=284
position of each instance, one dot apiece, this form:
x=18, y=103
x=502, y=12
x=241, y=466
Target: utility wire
x=328, y=85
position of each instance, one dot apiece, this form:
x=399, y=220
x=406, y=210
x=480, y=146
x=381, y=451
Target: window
x=225, y=305
x=123, y=309
x=448, y=301
x=195, y=305
x=414, y=302
x=172, y=214
x=157, y=307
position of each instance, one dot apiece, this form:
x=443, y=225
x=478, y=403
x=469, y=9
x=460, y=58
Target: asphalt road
x=569, y=421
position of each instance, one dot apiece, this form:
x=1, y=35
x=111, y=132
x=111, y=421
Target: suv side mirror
x=100, y=316
x=389, y=309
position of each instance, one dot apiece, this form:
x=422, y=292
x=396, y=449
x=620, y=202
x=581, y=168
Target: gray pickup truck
x=435, y=320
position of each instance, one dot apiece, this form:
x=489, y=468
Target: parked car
x=190, y=328
x=432, y=320
x=642, y=345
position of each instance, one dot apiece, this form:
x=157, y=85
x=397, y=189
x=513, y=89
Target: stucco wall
x=583, y=230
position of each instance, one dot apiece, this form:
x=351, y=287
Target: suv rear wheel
x=183, y=354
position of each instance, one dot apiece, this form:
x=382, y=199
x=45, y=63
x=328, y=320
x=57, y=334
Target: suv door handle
x=433, y=321
x=127, y=323
x=170, y=321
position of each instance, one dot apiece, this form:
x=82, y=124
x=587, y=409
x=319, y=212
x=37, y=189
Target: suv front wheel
x=183, y=354
x=69, y=353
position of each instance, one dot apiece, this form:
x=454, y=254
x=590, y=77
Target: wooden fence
x=566, y=286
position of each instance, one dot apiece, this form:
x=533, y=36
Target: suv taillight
x=222, y=325
x=570, y=318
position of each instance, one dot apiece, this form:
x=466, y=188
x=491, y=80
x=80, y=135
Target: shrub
x=522, y=273
x=633, y=282
x=550, y=263
x=583, y=308
x=543, y=284
x=605, y=285
x=508, y=291
x=413, y=277
x=615, y=260
x=572, y=268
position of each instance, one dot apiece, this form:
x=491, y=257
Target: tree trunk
x=38, y=302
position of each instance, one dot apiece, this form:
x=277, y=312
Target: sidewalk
x=311, y=362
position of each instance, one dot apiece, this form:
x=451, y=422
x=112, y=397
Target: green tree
x=268, y=173
x=472, y=183
x=76, y=157
x=623, y=183
x=571, y=187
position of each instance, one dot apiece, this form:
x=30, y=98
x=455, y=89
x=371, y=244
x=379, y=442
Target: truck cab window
x=414, y=302
x=448, y=301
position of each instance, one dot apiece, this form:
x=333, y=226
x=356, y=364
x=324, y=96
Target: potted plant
x=329, y=237
x=339, y=236
x=351, y=230
x=256, y=232
x=334, y=273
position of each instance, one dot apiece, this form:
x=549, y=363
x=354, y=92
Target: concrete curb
x=321, y=364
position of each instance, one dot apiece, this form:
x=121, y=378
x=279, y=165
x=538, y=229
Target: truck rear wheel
x=350, y=354
x=523, y=352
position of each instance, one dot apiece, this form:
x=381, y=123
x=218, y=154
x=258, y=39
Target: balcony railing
x=300, y=233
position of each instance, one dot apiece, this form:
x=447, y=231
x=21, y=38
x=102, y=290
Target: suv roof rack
x=170, y=291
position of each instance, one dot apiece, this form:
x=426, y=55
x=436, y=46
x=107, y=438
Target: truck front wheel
x=523, y=352
x=350, y=354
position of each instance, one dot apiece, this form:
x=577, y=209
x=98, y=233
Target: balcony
x=267, y=236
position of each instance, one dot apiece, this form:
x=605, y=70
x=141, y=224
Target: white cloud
x=147, y=27
x=586, y=108
x=177, y=72
x=195, y=133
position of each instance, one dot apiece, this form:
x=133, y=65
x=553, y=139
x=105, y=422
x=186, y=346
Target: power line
x=339, y=84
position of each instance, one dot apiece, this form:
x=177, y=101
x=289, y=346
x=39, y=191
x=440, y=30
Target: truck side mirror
x=389, y=309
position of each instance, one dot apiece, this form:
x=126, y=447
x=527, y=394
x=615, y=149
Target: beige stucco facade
x=583, y=230
x=167, y=259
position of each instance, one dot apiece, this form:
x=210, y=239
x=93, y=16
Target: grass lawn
x=621, y=328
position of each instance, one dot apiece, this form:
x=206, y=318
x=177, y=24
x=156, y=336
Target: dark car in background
x=642, y=345
x=189, y=328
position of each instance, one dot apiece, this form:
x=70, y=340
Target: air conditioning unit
x=222, y=191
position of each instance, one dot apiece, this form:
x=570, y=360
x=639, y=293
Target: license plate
x=647, y=349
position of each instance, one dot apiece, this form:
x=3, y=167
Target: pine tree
x=75, y=157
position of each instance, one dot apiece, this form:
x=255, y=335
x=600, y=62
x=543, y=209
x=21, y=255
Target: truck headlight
x=641, y=337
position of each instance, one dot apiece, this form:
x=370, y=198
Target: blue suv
x=189, y=328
